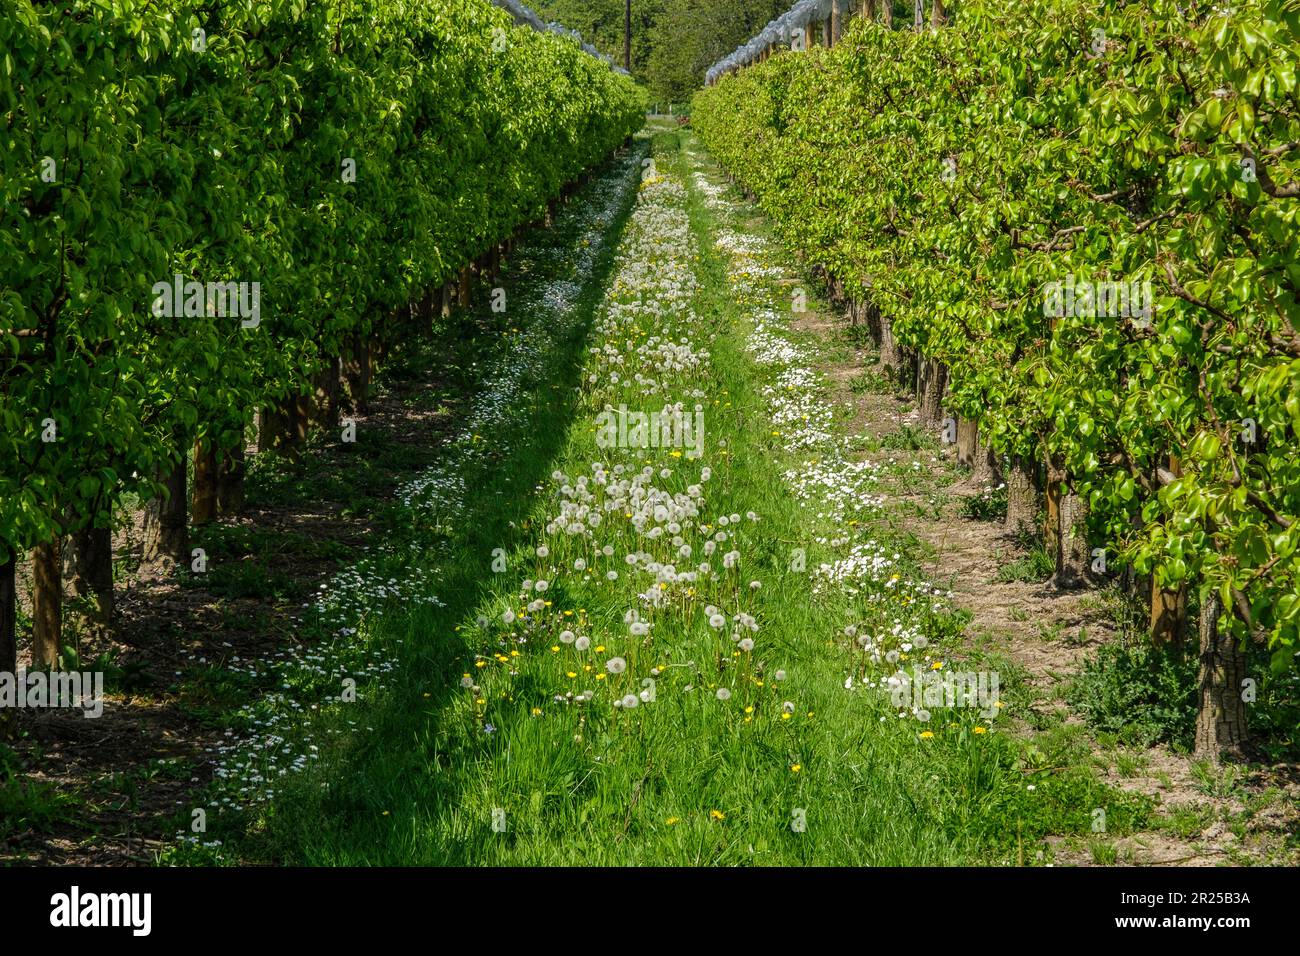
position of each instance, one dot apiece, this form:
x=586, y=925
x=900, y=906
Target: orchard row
x=1074, y=224
x=216, y=213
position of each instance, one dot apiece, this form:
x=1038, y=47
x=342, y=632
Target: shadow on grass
x=379, y=789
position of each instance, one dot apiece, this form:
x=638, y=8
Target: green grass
x=1033, y=567
x=501, y=772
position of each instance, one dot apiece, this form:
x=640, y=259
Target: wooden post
x=1169, y=607
x=918, y=14
x=1055, y=474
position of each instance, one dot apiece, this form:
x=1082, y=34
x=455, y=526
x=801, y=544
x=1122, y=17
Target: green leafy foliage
x=1141, y=693
x=951, y=176
x=218, y=141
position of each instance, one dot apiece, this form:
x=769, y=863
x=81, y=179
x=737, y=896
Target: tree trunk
x=230, y=480
x=356, y=370
x=8, y=616
x=933, y=379
x=868, y=10
x=325, y=393
x=1221, y=727
x=837, y=21
x=887, y=7
x=8, y=634
x=166, y=540
x=1073, y=555
x=938, y=16
x=891, y=357
x=283, y=424
x=918, y=14
x=967, y=434
x=627, y=35
x=985, y=470
x=446, y=300
x=465, y=276
x=1168, y=614
x=1022, y=496
x=376, y=354
x=47, y=603
x=92, y=575
x=269, y=427
x=203, y=506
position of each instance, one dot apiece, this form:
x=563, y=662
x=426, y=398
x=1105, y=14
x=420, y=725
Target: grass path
x=638, y=655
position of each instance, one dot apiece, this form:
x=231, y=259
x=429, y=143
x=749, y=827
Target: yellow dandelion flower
x=927, y=734
x=981, y=730
x=786, y=716
x=796, y=767
x=572, y=674
x=717, y=814
x=672, y=820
